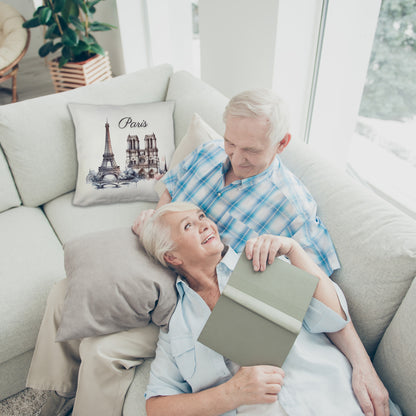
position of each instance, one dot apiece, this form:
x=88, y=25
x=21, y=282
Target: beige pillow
x=113, y=286
x=198, y=133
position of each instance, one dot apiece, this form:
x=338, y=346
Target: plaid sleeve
x=172, y=179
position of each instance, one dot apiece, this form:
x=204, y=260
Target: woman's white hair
x=261, y=103
x=156, y=235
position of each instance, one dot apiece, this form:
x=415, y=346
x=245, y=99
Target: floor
x=26, y=403
x=33, y=80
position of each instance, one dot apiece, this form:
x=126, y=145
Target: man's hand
x=141, y=219
x=370, y=392
x=255, y=385
x=264, y=249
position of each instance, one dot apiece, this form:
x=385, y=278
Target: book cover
x=259, y=314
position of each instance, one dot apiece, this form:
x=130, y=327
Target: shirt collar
x=224, y=269
x=252, y=180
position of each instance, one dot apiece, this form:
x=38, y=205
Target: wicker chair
x=14, y=42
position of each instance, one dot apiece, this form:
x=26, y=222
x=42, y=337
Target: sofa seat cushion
x=43, y=127
x=375, y=242
x=31, y=261
x=9, y=196
x=70, y=221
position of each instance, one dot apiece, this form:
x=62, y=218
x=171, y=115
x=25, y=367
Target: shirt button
x=219, y=194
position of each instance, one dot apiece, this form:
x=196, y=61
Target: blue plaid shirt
x=273, y=202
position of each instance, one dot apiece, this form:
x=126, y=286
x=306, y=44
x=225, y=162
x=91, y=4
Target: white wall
x=269, y=44
x=238, y=42
x=130, y=49
x=296, y=41
x=170, y=33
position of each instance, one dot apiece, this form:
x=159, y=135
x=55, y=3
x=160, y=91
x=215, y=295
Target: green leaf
x=63, y=23
x=52, y=32
x=66, y=52
x=58, y=5
x=45, y=49
x=77, y=23
x=62, y=61
x=57, y=46
x=44, y=15
x=81, y=5
x=70, y=37
x=34, y=22
x=96, y=48
x=89, y=40
x=70, y=9
x=100, y=27
x=82, y=47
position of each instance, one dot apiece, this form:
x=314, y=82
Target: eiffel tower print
x=109, y=171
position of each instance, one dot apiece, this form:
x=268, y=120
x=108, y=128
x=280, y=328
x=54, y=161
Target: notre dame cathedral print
x=142, y=162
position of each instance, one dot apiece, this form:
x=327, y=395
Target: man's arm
x=368, y=388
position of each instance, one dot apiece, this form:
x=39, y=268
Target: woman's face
x=195, y=236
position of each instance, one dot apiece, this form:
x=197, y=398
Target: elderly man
x=242, y=185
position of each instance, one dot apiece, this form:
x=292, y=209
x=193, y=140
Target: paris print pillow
x=122, y=151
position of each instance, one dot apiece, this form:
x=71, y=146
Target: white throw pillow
x=121, y=150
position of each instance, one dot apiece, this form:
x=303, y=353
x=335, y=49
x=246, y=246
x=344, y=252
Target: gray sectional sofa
x=376, y=243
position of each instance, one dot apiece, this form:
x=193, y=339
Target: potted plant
x=68, y=32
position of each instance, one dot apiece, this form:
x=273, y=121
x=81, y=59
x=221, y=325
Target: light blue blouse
x=317, y=375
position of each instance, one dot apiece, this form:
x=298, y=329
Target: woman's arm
x=250, y=385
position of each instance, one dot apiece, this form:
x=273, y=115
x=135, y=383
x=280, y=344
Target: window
x=383, y=147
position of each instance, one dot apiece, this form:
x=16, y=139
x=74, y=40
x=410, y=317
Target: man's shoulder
x=212, y=146
x=287, y=182
x=210, y=151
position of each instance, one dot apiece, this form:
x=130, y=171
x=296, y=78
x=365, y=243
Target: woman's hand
x=141, y=219
x=264, y=249
x=255, y=385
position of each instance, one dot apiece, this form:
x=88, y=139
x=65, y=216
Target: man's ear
x=172, y=259
x=283, y=143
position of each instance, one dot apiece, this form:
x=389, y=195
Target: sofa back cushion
x=394, y=359
x=191, y=95
x=38, y=135
x=9, y=196
x=375, y=242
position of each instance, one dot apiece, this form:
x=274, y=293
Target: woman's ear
x=170, y=258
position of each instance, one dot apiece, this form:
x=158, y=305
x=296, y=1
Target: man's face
x=195, y=236
x=247, y=146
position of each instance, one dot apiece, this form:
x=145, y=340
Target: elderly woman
x=187, y=378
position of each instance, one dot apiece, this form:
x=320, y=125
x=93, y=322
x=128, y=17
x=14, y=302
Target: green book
x=259, y=314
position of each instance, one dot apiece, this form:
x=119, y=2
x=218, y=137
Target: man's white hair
x=156, y=235
x=261, y=103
